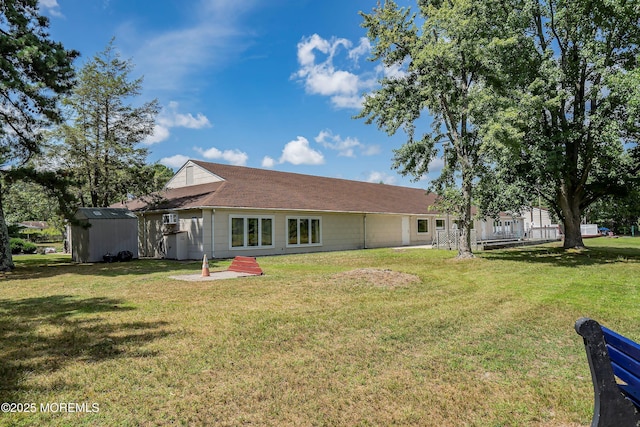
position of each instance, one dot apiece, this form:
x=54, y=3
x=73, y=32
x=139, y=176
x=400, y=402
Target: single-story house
x=223, y=211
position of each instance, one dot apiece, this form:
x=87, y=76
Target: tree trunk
x=572, y=217
x=572, y=234
x=464, y=248
x=6, y=260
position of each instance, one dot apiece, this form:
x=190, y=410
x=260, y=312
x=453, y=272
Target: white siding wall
x=342, y=231
x=384, y=230
x=339, y=232
x=192, y=223
x=200, y=176
x=534, y=215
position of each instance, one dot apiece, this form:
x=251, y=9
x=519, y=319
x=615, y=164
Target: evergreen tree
x=100, y=143
x=34, y=72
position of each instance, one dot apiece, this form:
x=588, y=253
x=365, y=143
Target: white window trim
x=444, y=227
x=244, y=246
x=298, y=218
x=418, y=228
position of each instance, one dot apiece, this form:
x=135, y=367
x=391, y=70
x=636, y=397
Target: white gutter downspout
x=364, y=222
x=145, y=247
x=213, y=239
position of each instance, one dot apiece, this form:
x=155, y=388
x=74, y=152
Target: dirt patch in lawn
x=376, y=277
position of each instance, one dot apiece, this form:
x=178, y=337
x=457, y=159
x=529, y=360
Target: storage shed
x=110, y=231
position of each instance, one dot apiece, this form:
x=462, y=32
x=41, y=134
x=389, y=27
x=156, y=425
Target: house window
x=251, y=232
x=423, y=225
x=439, y=224
x=303, y=231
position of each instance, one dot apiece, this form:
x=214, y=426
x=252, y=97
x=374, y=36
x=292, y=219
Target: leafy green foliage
x=566, y=117
x=39, y=195
x=35, y=71
x=29, y=201
x=443, y=56
x=101, y=144
x=617, y=213
x=19, y=246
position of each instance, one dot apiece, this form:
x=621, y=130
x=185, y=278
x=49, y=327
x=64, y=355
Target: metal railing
x=450, y=239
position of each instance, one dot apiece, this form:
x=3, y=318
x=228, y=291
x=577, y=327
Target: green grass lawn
x=487, y=342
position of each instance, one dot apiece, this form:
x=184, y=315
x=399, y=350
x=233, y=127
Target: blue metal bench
x=614, y=361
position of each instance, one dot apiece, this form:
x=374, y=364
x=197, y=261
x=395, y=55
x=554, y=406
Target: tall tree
x=442, y=52
x=569, y=118
x=101, y=141
x=34, y=72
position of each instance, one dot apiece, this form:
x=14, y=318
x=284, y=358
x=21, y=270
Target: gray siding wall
x=149, y=234
x=104, y=236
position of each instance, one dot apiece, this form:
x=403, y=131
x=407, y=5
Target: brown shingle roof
x=245, y=187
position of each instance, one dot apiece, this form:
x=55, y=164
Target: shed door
x=406, y=235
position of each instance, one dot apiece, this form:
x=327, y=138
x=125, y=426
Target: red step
x=245, y=264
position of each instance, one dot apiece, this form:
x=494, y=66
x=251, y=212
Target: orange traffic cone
x=205, y=267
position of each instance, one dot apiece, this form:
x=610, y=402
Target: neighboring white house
x=535, y=217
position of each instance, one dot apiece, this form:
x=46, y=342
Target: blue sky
x=268, y=84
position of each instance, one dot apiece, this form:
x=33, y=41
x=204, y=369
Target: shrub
x=21, y=246
x=16, y=245
x=29, y=248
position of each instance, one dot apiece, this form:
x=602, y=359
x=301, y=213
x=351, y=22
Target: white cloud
x=371, y=150
x=174, y=161
x=171, y=60
x=268, y=162
x=52, y=7
x=346, y=146
x=160, y=133
x=353, y=101
x=362, y=49
x=234, y=157
x=382, y=177
x=174, y=119
x=306, y=56
x=332, y=83
x=323, y=78
x=323, y=74
x=171, y=118
x=298, y=152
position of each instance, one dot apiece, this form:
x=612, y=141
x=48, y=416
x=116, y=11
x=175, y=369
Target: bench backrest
x=625, y=360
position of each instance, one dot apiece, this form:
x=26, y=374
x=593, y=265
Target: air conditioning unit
x=169, y=219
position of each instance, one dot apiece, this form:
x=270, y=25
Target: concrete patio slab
x=215, y=275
